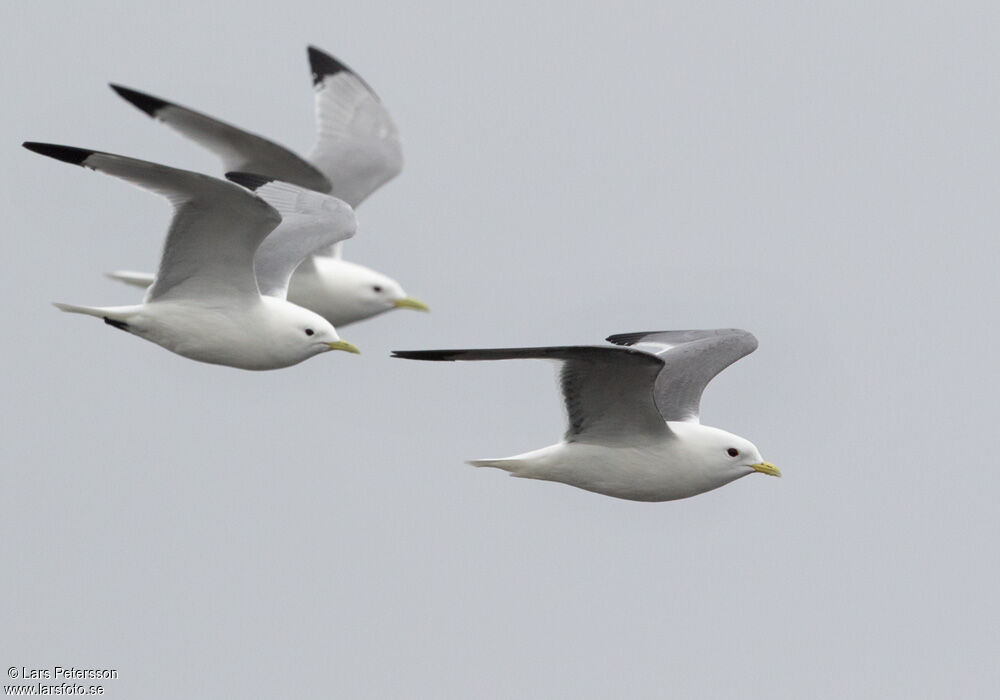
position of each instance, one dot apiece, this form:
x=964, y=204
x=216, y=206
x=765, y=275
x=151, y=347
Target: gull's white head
x=377, y=293
x=724, y=455
x=344, y=292
x=301, y=331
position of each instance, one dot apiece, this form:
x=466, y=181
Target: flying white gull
x=357, y=150
x=205, y=303
x=633, y=411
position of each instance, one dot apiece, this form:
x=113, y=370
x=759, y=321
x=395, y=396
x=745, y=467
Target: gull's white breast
x=662, y=470
x=248, y=334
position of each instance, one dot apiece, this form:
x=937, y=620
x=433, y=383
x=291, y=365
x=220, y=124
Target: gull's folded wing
x=691, y=359
x=310, y=221
x=607, y=391
x=357, y=146
x=240, y=150
x=214, y=233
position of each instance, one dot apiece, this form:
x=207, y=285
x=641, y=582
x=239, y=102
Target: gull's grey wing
x=239, y=150
x=357, y=144
x=607, y=391
x=691, y=359
x=214, y=233
x=310, y=222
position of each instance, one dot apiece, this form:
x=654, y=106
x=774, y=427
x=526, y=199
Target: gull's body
x=206, y=303
x=254, y=334
x=357, y=151
x=340, y=291
x=634, y=431
x=658, y=470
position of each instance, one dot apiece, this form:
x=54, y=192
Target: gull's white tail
x=136, y=279
x=117, y=316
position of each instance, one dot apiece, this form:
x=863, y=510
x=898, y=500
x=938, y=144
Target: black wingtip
x=323, y=64
x=626, y=338
x=249, y=180
x=147, y=103
x=438, y=355
x=67, y=154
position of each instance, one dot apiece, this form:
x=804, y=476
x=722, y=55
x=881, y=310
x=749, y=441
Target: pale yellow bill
x=766, y=468
x=410, y=303
x=345, y=346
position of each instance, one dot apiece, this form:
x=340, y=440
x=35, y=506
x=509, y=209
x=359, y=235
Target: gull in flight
x=634, y=431
x=206, y=303
x=357, y=151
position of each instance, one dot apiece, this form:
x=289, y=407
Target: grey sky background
x=824, y=175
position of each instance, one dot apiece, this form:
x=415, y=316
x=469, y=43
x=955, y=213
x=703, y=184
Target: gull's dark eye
x=309, y=331
x=377, y=289
x=733, y=452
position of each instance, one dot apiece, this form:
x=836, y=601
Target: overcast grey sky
x=824, y=175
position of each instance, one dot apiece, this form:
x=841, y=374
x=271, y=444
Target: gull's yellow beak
x=345, y=346
x=410, y=303
x=766, y=468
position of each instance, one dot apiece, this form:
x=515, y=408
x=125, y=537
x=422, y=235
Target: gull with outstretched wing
x=357, y=150
x=205, y=303
x=633, y=411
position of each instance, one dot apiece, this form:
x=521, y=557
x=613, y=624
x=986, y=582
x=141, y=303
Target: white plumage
x=204, y=303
